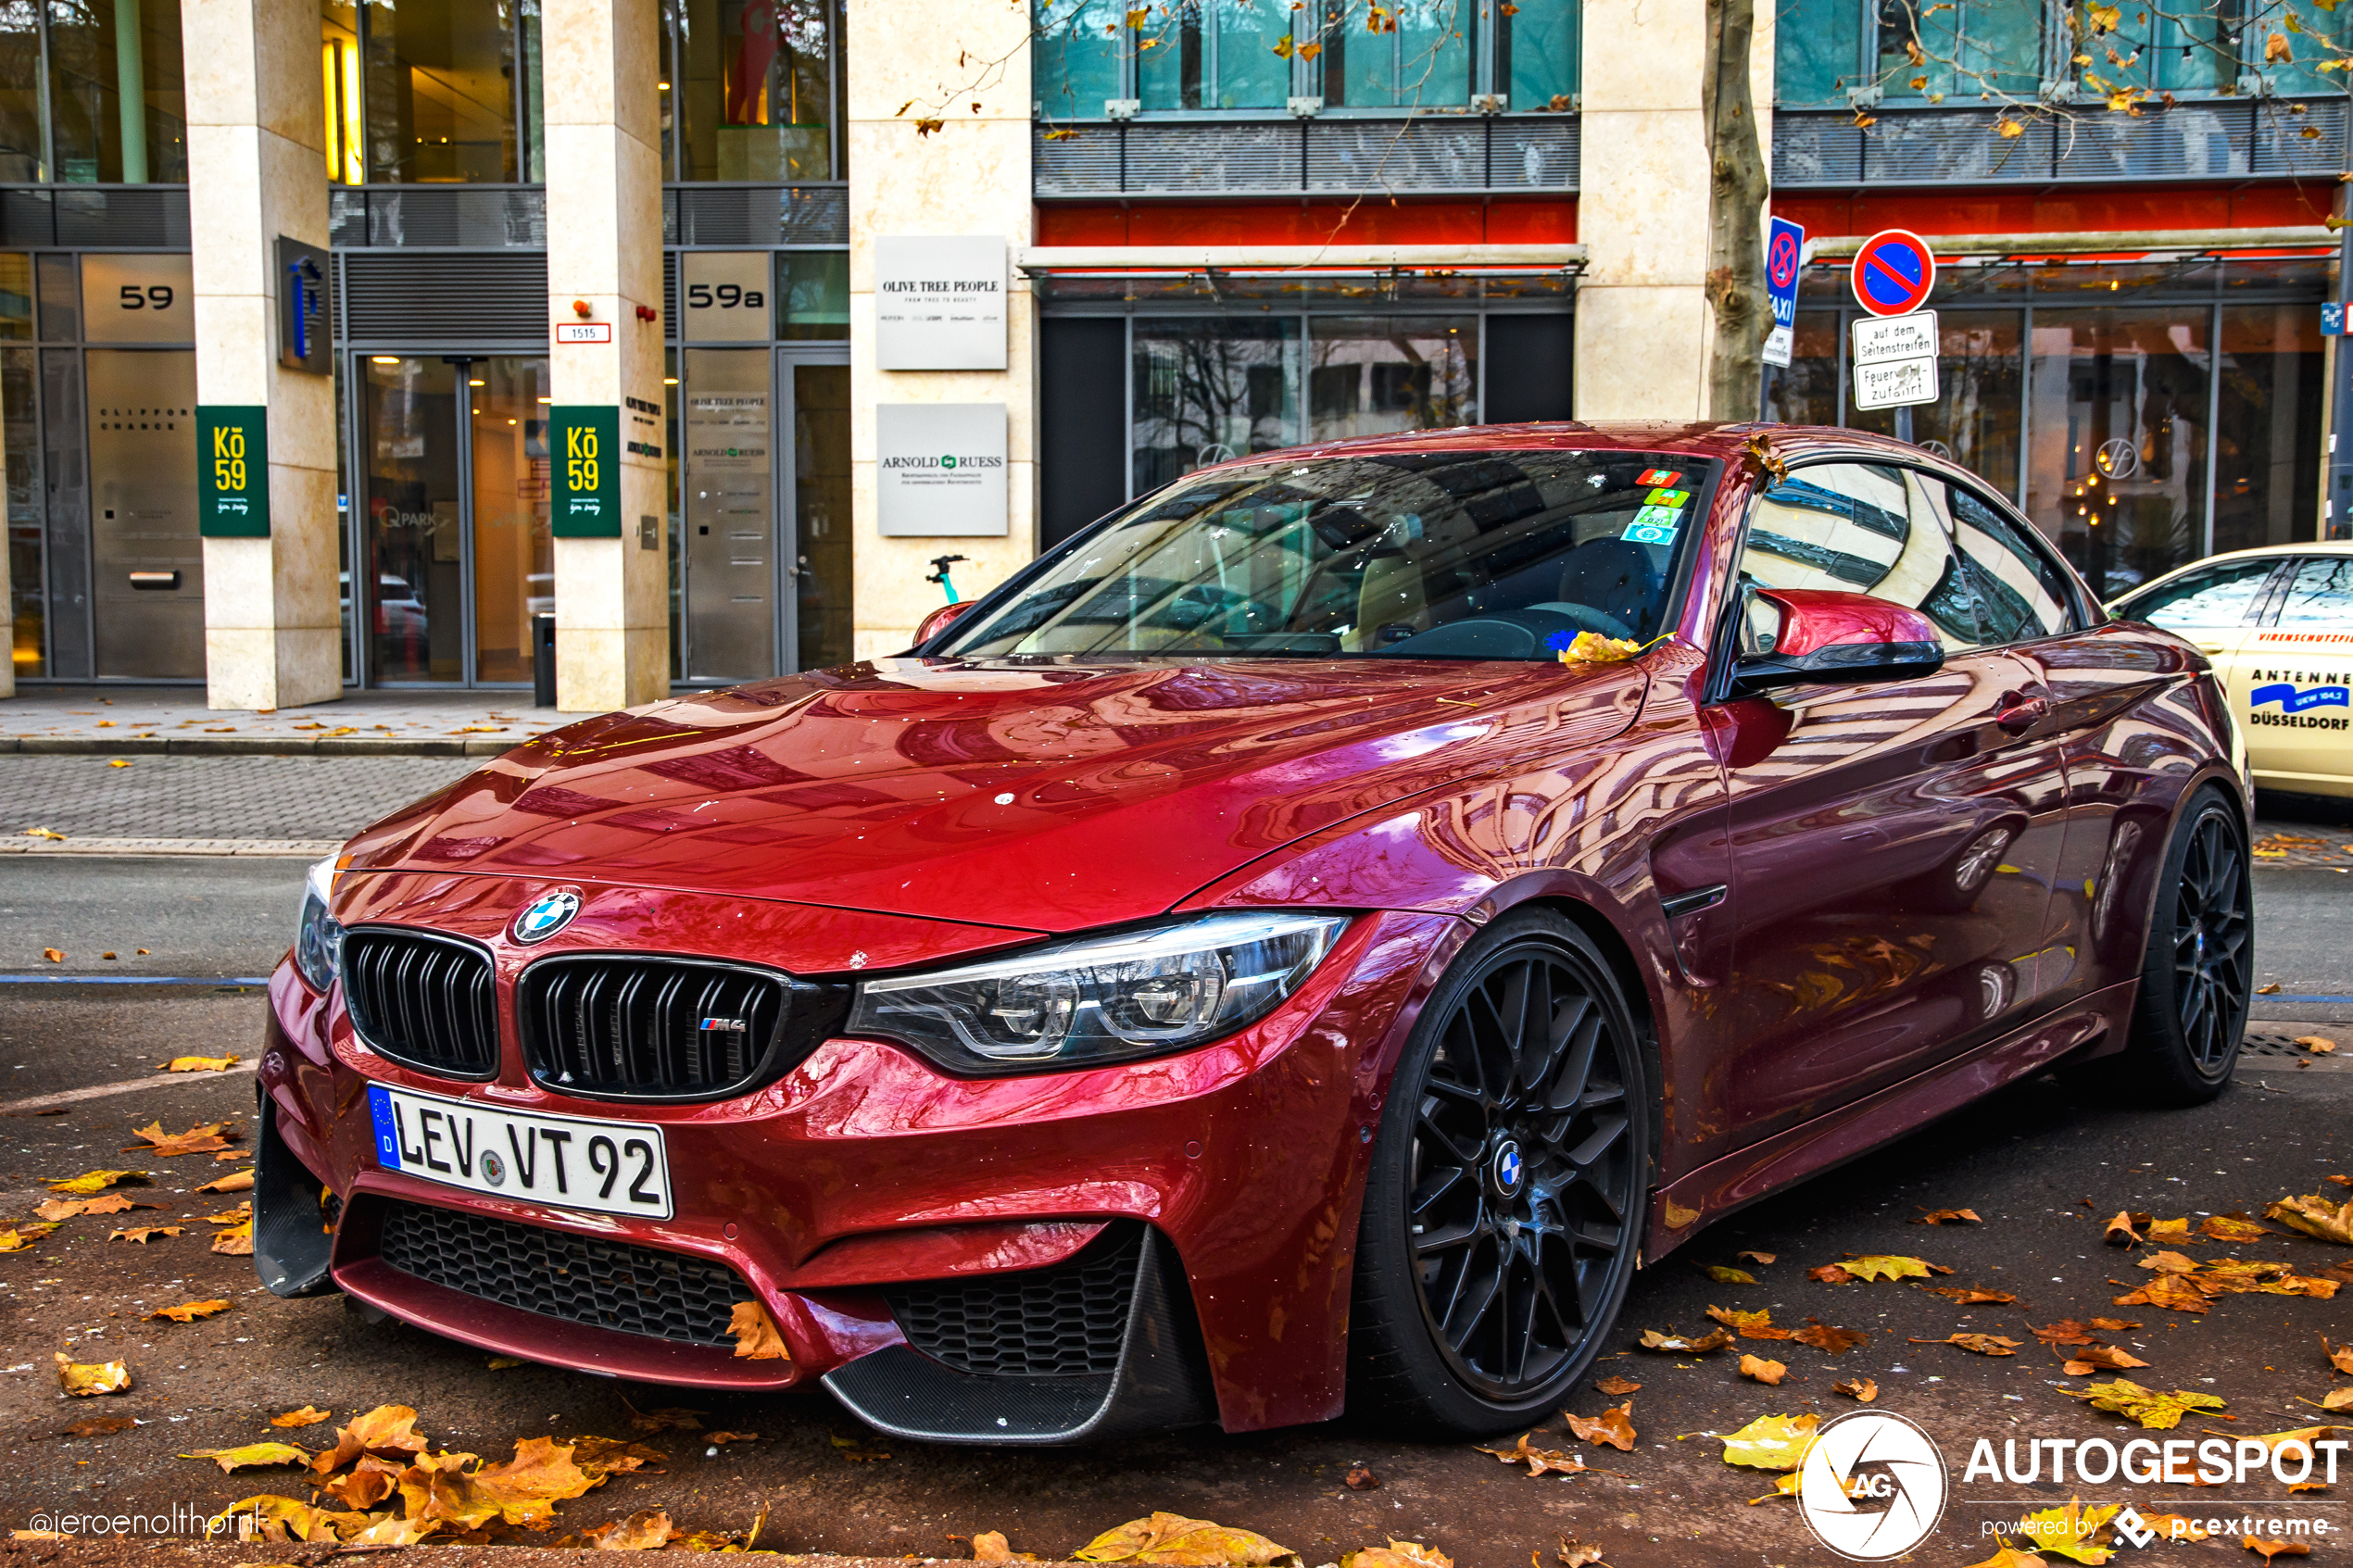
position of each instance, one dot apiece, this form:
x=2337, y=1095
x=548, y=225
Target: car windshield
x=1422, y=555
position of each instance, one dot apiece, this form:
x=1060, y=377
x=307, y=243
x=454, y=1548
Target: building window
x=110, y=72
x=749, y=89
x=1094, y=57
x=1854, y=52
x=430, y=92
x=440, y=91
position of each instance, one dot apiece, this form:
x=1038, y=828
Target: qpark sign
x=1895, y=342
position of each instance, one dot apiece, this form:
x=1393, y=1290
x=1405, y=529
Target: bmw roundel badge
x=546, y=915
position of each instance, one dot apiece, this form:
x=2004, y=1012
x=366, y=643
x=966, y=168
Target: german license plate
x=571, y=1162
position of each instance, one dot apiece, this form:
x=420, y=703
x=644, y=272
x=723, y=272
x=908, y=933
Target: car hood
x=1050, y=797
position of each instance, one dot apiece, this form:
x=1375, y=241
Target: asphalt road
x=2041, y=1164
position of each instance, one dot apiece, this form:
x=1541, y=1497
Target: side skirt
x=1739, y=1179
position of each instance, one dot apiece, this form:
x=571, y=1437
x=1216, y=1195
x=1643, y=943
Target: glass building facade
x=2142, y=415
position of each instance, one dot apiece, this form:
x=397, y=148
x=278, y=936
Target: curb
x=308, y=849
x=258, y=745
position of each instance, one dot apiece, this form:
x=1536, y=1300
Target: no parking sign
x=1894, y=273
x=1785, y=250
x=1895, y=357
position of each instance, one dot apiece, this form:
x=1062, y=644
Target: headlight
x=1101, y=999
x=317, y=949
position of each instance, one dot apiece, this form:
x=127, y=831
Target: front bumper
x=1233, y=1171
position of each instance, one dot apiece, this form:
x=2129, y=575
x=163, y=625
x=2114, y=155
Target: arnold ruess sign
x=939, y=469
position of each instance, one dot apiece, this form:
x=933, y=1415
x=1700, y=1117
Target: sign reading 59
x=581, y=452
x=227, y=458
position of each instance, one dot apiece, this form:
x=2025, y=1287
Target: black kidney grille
x=649, y=1028
x=1065, y=1322
x=557, y=1274
x=424, y=1001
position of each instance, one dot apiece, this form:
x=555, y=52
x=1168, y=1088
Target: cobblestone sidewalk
x=207, y=805
x=150, y=720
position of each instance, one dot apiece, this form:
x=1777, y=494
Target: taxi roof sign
x=1894, y=273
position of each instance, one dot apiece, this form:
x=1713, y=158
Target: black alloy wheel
x=1505, y=1206
x=2197, y=974
x=2213, y=942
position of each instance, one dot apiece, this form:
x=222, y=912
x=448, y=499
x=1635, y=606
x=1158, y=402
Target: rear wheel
x=2197, y=975
x=1505, y=1205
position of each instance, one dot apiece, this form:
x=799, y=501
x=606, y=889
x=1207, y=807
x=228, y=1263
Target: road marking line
x=100, y=1091
x=133, y=979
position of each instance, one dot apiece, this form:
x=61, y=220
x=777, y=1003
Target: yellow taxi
x=2278, y=623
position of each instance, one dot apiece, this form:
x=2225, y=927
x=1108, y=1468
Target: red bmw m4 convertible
x=1299, y=945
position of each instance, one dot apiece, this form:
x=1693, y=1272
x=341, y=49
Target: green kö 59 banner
x=232, y=471
x=585, y=442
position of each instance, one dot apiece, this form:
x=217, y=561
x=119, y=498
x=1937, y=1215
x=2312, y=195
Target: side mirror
x=1812, y=636
x=939, y=620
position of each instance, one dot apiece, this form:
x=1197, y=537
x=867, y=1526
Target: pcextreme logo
x=1872, y=1486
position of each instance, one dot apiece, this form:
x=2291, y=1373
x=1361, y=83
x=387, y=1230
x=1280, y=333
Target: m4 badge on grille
x=546, y=915
x=724, y=1026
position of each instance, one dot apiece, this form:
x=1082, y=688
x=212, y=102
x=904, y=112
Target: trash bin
x=543, y=660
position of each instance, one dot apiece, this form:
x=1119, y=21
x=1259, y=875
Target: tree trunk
x=1737, y=189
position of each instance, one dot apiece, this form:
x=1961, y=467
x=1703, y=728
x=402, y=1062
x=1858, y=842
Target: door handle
x=2023, y=715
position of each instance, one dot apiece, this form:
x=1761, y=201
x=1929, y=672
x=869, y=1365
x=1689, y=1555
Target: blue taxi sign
x=1894, y=273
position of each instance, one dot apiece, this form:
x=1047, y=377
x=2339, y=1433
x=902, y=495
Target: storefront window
x=753, y=89
x=21, y=429
x=1211, y=389
x=1805, y=391
x=2267, y=428
x=440, y=87
x=116, y=109
x=1981, y=372
x=2118, y=446
x=1379, y=375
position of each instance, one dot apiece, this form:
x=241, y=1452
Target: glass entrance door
x=456, y=551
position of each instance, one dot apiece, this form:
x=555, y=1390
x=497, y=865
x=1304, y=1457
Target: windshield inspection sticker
x=1654, y=525
x=1659, y=476
x=1675, y=499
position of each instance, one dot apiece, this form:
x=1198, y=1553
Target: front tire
x=2197, y=974
x=1504, y=1206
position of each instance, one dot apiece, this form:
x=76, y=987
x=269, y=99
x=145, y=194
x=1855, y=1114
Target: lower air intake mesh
x=1065, y=1322
x=604, y=1283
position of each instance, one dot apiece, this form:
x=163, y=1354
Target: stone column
x=1641, y=207
x=257, y=171
x=602, y=64
x=971, y=176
